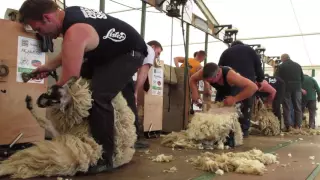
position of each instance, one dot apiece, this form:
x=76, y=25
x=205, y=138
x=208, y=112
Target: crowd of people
x=239, y=78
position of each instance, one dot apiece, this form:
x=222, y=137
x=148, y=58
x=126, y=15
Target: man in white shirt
x=131, y=91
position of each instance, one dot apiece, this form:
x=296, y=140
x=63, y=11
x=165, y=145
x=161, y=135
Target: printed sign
x=157, y=81
x=29, y=57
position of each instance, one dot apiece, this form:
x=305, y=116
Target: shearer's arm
x=143, y=72
x=194, y=79
x=248, y=87
x=266, y=87
x=78, y=39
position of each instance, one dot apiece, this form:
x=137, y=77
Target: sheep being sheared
x=264, y=121
x=208, y=130
x=72, y=149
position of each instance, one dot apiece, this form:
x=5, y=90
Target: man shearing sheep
x=114, y=51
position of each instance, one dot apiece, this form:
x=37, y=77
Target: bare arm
x=207, y=88
x=141, y=77
x=194, y=79
x=247, y=86
x=78, y=39
x=178, y=60
x=54, y=63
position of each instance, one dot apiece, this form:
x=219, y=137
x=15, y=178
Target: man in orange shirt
x=194, y=63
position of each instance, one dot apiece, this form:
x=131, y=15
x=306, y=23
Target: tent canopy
x=276, y=25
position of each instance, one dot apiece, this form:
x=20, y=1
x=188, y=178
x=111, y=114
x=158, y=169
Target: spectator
x=309, y=100
x=278, y=84
x=291, y=73
x=193, y=63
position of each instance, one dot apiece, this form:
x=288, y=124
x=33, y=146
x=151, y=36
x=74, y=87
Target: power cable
x=130, y=8
x=302, y=36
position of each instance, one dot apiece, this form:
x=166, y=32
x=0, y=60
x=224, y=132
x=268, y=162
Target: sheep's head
x=58, y=97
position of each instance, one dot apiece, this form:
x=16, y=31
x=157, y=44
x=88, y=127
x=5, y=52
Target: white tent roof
x=275, y=24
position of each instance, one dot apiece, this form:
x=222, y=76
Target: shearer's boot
x=140, y=143
x=230, y=140
x=101, y=166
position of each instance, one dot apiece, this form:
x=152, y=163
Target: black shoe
x=230, y=140
x=101, y=166
x=141, y=145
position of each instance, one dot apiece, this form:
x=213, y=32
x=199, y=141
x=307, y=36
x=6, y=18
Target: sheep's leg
x=43, y=122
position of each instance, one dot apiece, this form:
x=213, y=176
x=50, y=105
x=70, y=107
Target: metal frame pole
x=143, y=19
x=186, y=79
x=206, y=47
x=102, y=5
x=64, y=4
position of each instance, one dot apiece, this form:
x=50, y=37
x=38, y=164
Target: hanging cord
x=169, y=93
x=302, y=36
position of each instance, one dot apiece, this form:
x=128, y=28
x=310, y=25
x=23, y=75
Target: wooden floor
x=298, y=167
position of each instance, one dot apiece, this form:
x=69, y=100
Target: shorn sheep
x=72, y=149
x=208, y=130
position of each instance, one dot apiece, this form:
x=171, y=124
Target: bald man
x=292, y=75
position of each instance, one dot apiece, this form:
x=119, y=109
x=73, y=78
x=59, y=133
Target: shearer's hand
x=198, y=103
x=229, y=101
x=304, y=92
x=42, y=72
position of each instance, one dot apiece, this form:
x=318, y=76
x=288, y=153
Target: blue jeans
x=292, y=115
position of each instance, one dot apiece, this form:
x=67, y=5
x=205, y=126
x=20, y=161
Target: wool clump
x=249, y=162
x=264, y=122
x=208, y=130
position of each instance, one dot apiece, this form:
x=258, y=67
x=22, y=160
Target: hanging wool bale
x=208, y=130
x=250, y=162
x=72, y=149
x=264, y=121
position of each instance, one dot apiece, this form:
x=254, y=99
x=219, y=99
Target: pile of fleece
x=250, y=162
x=208, y=130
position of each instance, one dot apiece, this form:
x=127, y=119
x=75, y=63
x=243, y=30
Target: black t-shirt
x=244, y=60
x=116, y=36
x=225, y=89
